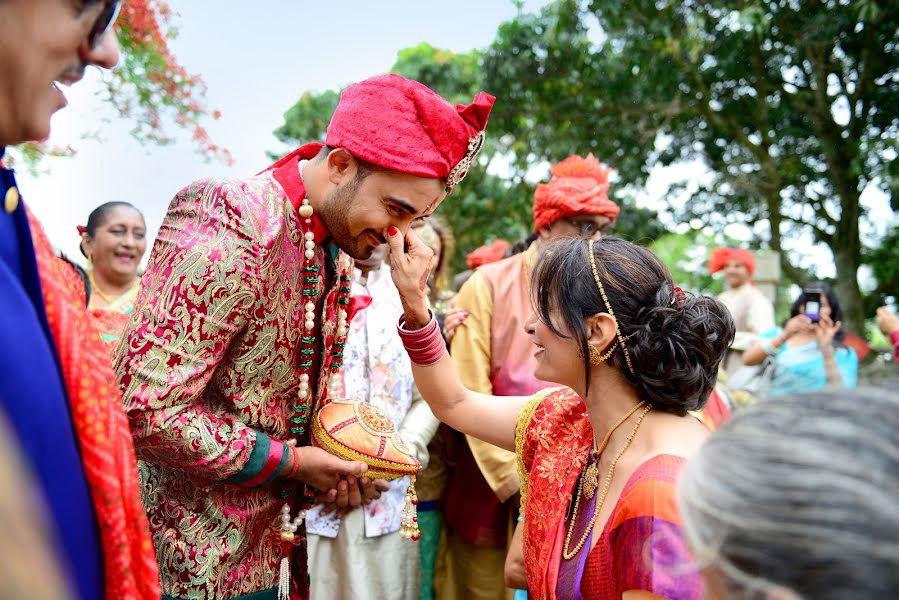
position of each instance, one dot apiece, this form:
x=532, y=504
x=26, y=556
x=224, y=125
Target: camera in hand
x=812, y=301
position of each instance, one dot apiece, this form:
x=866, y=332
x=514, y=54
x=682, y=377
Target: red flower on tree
x=149, y=86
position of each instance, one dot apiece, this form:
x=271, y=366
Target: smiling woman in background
x=114, y=242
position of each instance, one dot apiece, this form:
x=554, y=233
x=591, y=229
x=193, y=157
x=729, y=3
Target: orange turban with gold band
x=487, y=254
x=721, y=256
x=579, y=186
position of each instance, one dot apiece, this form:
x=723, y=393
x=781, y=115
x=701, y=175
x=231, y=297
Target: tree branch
x=862, y=85
x=822, y=235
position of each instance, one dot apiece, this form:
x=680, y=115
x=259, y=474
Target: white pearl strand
x=306, y=211
x=288, y=527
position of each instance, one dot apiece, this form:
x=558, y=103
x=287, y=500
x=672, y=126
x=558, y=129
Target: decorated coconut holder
x=360, y=431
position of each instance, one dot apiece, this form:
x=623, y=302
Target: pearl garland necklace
x=311, y=279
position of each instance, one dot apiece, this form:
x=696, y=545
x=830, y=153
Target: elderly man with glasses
x=494, y=355
x=58, y=394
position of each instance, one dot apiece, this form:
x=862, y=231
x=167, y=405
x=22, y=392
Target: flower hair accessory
x=81, y=229
x=680, y=297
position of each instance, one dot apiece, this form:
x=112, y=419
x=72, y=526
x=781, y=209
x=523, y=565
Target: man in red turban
x=486, y=254
x=752, y=311
x=238, y=334
x=494, y=355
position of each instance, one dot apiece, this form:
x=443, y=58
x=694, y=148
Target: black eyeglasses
x=104, y=22
x=588, y=228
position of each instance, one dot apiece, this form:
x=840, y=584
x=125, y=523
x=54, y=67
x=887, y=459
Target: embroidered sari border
x=521, y=428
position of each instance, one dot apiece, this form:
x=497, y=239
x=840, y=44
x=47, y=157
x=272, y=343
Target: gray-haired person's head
x=800, y=497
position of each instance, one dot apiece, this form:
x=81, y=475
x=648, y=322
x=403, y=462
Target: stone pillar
x=767, y=273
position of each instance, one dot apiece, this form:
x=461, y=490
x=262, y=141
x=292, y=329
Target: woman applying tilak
x=598, y=459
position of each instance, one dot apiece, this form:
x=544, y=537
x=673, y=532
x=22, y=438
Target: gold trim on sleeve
x=521, y=428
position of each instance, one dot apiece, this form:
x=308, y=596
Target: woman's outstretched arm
x=489, y=418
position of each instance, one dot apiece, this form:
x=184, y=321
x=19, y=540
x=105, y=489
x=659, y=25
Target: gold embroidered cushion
x=360, y=431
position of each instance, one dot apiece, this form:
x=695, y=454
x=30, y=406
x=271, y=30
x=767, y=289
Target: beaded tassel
x=288, y=537
x=409, y=526
x=284, y=580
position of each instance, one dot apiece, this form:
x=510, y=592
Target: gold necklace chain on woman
x=95, y=288
x=567, y=552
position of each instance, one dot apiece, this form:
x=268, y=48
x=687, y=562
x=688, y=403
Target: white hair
x=800, y=493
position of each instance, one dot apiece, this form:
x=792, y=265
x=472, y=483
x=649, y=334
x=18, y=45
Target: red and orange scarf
x=107, y=452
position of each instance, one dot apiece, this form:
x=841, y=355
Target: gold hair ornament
x=605, y=299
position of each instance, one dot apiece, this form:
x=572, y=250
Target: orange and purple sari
x=641, y=546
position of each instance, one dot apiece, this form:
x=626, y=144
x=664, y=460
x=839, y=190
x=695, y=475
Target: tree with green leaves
x=487, y=205
x=792, y=107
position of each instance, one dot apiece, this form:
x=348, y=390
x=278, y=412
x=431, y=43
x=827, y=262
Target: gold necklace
x=590, y=481
x=96, y=288
x=567, y=552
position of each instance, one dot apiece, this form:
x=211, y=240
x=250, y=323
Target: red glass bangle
x=425, y=346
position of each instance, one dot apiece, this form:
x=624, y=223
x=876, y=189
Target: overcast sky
x=257, y=59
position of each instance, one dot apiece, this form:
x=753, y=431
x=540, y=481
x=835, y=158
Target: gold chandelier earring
x=597, y=358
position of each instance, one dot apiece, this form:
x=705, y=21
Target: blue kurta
x=33, y=397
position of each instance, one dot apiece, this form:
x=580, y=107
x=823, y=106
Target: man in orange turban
x=494, y=355
x=752, y=311
x=575, y=202
x=486, y=254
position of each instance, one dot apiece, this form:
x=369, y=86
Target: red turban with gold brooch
x=579, y=186
x=404, y=126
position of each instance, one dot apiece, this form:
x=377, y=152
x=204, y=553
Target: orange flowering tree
x=150, y=87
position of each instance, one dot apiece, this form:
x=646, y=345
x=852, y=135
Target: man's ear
x=601, y=330
x=341, y=166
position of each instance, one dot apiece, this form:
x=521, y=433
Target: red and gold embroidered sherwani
x=210, y=370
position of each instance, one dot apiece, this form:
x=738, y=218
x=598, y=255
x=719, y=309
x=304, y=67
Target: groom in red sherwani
x=240, y=325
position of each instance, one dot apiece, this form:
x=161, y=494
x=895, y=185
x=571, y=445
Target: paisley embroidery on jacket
x=212, y=354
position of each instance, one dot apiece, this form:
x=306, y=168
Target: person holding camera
x=888, y=322
x=808, y=353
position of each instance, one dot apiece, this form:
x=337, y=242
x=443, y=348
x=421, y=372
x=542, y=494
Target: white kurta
x=753, y=314
x=362, y=555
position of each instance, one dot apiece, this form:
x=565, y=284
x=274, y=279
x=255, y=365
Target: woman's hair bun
x=676, y=349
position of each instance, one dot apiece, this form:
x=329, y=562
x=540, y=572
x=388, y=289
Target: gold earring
x=596, y=358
